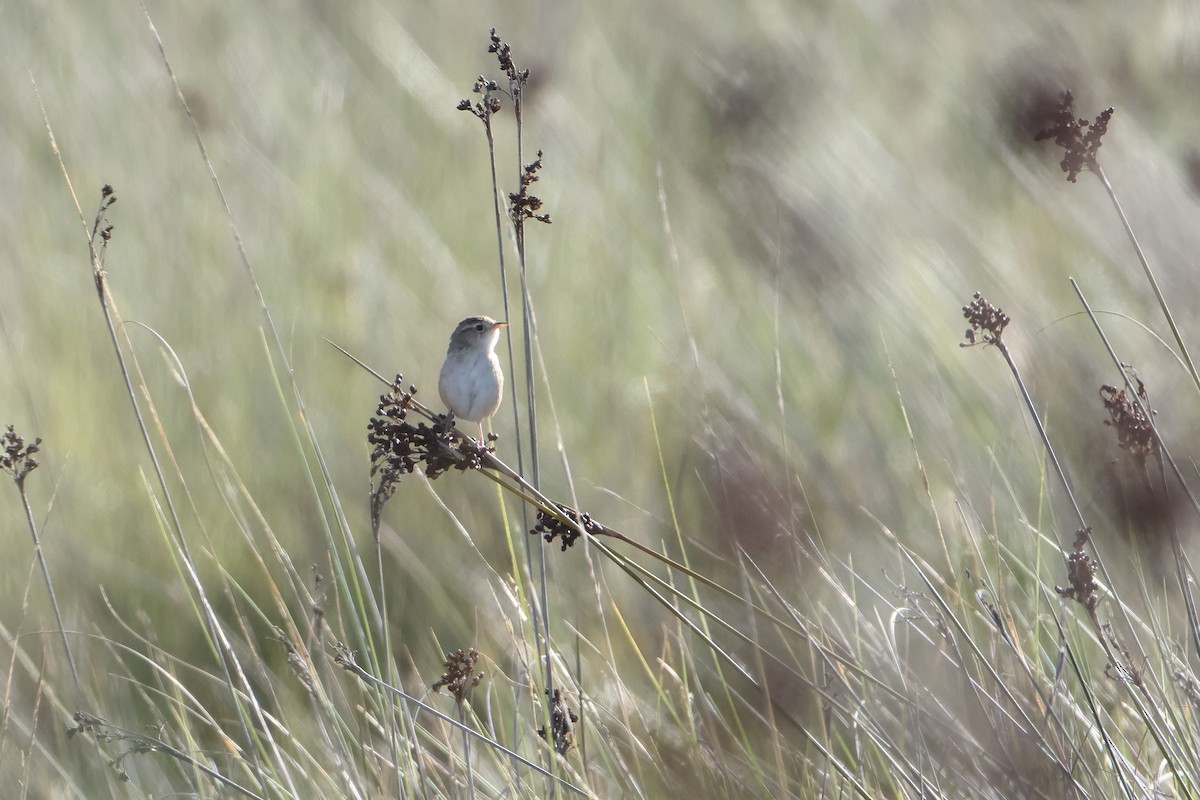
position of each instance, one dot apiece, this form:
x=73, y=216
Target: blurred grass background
x=838, y=179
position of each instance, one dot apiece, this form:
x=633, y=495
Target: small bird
x=471, y=383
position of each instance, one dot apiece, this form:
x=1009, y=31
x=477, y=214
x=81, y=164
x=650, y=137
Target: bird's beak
x=501, y=325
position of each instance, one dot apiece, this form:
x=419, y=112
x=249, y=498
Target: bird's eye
x=479, y=327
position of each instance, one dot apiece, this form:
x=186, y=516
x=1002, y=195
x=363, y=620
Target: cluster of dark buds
x=1081, y=574
x=562, y=724
x=489, y=90
x=107, y=198
x=987, y=322
x=1079, y=138
x=522, y=205
x=503, y=51
x=488, y=104
x=549, y=526
x=16, y=457
x=460, y=674
x=102, y=230
x=1135, y=431
x=399, y=446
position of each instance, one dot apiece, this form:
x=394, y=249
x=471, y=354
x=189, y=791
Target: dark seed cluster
x=987, y=322
x=503, y=52
x=489, y=90
x=1135, y=431
x=107, y=198
x=549, y=526
x=16, y=457
x=562, y=724
x=488, y=103
x=399, y=446
x=1081, y=574
x=460, y=674
x=1079, y=138
x=522, y=204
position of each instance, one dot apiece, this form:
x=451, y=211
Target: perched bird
x=471, y=383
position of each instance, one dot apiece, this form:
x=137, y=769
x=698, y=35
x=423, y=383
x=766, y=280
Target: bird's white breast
x=471, y=384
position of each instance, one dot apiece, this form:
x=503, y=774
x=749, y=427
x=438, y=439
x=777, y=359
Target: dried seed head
x=1079, y=138
x=398, y=447
x=16, y=457
x=460, y=674
x=1135, y=430
x=1081, y=574
x=549, y=526
x=562, y=724
x=985, y=319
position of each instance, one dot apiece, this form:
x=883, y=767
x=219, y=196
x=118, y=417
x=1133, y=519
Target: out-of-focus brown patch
x=1032, y=109
x=1146, y=517
x=1191, y=167
x=198, y=103
x=749, y=492
x=1028, y=89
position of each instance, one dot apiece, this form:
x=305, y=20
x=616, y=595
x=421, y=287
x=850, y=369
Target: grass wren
x=471, y=383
